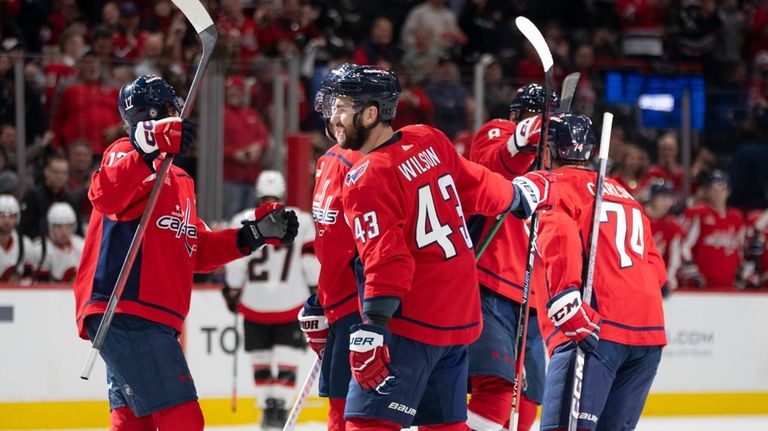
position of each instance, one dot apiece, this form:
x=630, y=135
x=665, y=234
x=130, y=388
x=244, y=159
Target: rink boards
x=716, y=362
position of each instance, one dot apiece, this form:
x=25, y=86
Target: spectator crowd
x=709, y=220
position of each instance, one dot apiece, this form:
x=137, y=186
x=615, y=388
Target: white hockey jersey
x=275, y=280
x=15, y=261
x=60, y=263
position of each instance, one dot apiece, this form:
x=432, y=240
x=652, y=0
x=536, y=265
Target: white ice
x=699, y=423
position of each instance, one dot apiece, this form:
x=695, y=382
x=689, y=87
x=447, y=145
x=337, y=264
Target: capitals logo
x=355, y=174
x=321, y=206
x=178, y=222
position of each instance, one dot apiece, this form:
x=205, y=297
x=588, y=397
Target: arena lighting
x=656, y=102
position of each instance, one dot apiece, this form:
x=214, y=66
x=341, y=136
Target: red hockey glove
x=272, y=224
x=369, y=357
x=313, y=323
x=169, y=135
x=533, y=191
x=526, y=137
x=577, y=320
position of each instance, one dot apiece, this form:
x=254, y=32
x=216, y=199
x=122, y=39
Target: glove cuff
x=312, y=307
x=365, y=337
x=244, y=243
x=564, y=305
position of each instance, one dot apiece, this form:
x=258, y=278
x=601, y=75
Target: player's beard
x=351, y=138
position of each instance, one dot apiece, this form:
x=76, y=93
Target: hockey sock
x=336, y=414
x=489, y=404
x=183, y=417
x=364, y=424
x=123, y=419
x=456, y=426
x=527, y=414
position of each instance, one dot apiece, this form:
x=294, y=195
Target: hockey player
x=150, y=386
x=269, y=288
x=405, y=199
x=63, y=248
x=327, y=317
x=509, y=148
x=622, y=328
x=712, y=248
x=667, y=232
x=19, y=255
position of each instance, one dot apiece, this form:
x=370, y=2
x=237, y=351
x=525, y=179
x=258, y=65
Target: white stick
x=578, y=375
x=290, y=424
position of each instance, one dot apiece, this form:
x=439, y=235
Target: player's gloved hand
x=272, y=224
x=231, y=297
x=577, y=320
x=533, y=191
x=369, y=357
x=526, y=137
x=690, y=276
x=314, y=324
x=169, y=135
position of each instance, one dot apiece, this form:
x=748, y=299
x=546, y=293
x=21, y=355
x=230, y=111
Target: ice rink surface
x=699, y=423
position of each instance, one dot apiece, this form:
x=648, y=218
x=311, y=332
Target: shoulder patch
x=354, y=174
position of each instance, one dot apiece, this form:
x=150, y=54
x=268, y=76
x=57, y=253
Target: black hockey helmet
x=367, y=85
x=571, y=137
x=323, y=96
x=530, y=98
x=716, y=177
x=149, y=97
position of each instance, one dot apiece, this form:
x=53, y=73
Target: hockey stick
x=206, y=30
x=578, y=372
x=290, y=424
x=566, y=97
x=233, y=401
x=534, y=36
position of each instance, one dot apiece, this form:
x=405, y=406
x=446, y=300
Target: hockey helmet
x=323, y=96
x=270, y=183
x=530, y=98
x=61, y=213
x=9, y=205
x=149, y=97
x=367, y=85
x=571, y=137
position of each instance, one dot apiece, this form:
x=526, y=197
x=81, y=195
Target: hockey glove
x=231, y=297
x=532, y=192
x=272, y=224
x=313, y=323
x=577, y=320
x=369, y=357
x=169, y=135
x=526, y=137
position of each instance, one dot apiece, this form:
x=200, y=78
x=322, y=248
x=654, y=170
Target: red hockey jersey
x=176, y=242
x=629, y=271
x=714, y=242
x=334, y=243
x=405, y=201
x=668, y=236
x=502, y=267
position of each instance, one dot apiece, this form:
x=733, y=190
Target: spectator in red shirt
x=245, y=140
x=629, y=171
x=413, y=106
x=231, y=18
x=667, y=168
x=379, y=48
x=295, y=21
x=127, y=38
x=71, y=43
x=86, y=109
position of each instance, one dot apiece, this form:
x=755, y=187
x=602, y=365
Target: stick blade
x=195, y=13
x=532, y=33
x=567, y=92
